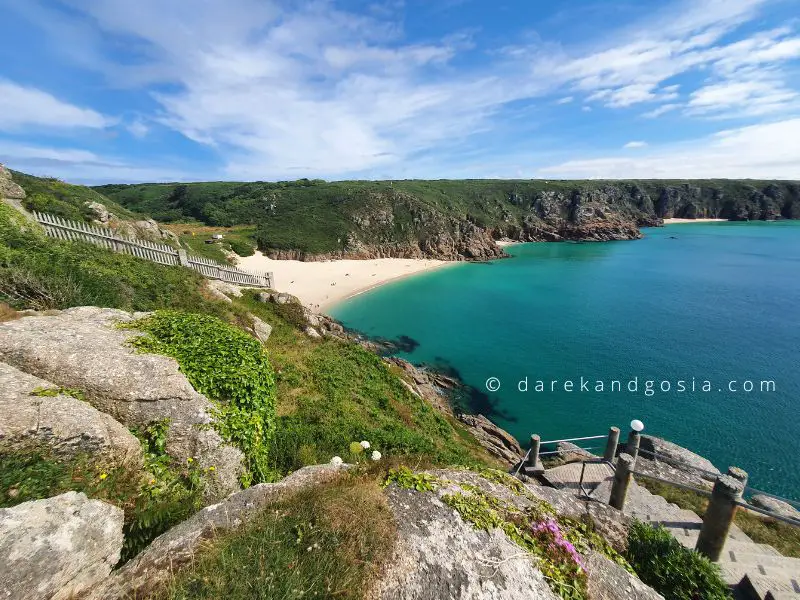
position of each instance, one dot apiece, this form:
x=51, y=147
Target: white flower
x=376, y=455
x=365, y=445
x=336, y=461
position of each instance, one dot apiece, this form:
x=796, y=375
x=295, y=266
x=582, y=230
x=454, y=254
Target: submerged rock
x=58, y=548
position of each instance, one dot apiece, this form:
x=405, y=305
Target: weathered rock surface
x=609, y=581
x=57, y=548
x=496, y=440
x=434, y=387
x=569, y=452
x=82, y=348
x=440, y=556
x=779, y=507
x=261, y=329
x=225, y=289
x=676, y=456
x=147, y=229
x=9, y=189
x=66, y=424
x=154, y=566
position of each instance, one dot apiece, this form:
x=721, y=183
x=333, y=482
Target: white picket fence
x=64, y=229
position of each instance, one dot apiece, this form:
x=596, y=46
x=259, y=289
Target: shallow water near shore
x=709, y=302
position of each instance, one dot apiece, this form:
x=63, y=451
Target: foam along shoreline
x=321, y=284
x=676, y=221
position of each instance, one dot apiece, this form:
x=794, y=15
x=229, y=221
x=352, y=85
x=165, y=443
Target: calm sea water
x=705, y=302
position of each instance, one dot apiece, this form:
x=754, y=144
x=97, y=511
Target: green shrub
x=229, y=367
x=242, y=248
x=674, y=571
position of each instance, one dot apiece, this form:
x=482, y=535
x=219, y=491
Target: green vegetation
x=330, y=542
x=332, y=392
x=556, y=542
x=151, y=506
x=783, y=537
x=43, y=273
x=317, y=217
x=55, y=197
x=230, y=368
x=676, y=572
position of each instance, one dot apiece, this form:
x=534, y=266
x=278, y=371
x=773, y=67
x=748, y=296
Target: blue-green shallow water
x=719, y=303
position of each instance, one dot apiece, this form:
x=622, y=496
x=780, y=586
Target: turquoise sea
x=716, y=302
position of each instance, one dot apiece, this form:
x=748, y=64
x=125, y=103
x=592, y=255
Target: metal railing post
x=622, y=480
x=611, y=444
x=632, y=447
x=719, y=516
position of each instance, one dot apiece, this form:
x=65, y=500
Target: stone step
x=756, y=559
x=769, y=578
x=759, y=587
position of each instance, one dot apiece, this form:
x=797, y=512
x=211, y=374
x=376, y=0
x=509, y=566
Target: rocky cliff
x=451, y=220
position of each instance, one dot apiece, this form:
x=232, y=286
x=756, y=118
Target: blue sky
x=99, y=91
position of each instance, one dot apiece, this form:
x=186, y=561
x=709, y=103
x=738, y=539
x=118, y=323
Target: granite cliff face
x=451, y=220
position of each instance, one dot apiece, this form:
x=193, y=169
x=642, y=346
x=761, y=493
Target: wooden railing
x=75, y=231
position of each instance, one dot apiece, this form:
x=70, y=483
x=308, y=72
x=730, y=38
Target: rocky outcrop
x=658, y=450
x=155, y=565
x=82, y=348
x=58, y=548
x=146, y=229
x=496, y=440
x=260, y=329
x=33, y=412
x=9, y=189
x=440, y=556
x=779, y=507
x=569, y=452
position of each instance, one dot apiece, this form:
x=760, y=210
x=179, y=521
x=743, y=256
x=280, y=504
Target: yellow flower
x=212, y=468
x=103, y=475
x=189, y=460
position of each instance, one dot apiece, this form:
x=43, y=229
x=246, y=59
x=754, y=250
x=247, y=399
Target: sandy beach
x=676, y=221
x=319, y=285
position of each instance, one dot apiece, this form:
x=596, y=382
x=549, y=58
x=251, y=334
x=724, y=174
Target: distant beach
x=676, y=221
x=322, y=284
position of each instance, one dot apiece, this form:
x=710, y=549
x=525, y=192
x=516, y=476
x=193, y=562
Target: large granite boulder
x=156, y=564
x=82, y=348
x=30, y=414
x=440, y=556
x=57, y=548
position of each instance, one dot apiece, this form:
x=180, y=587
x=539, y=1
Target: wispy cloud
x=635, y=144
x=22, y=107
x=767, y=151
x=287, y=91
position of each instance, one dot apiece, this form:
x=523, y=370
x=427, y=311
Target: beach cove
x=705, y=301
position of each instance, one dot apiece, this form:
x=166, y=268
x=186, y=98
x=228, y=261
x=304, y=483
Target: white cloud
x=294, y=89
x=82, y=166
x=138, y=129
x=767, y=151
x=663, y=109
x=26, y=107
x=632, y=145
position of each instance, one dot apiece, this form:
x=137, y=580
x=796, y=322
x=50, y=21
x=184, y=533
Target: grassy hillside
x=317, y=217
x=63, y=199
